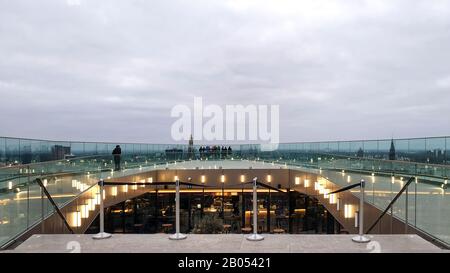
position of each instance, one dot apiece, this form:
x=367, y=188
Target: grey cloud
x=338, y=70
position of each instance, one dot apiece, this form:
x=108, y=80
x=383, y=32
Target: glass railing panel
x=315, y=147
x=127, y=149
x=384, y=147
x=292, y=147
x=428, y=202
x=77, y=148
x=142, y=149
x=2, y=151
x=324, y=146
x=301, y=146
x=12, y=151
x=307, y=147
x=400, y=167
x=14, y=216
x=102, y=148
x=412, y=203
x=345, y=148
x=430, y=170
x=447, y=150
x=308, y=155
x=357, y=148
x=402, y=149
x=36, y=202
x=46, y=151
x=22, y=202
x=417, y=148
x=382, y=191
x=371, y=149
x=25, y=156
x=399, y=207
x=36, y=154
x=420, y=150
x=435, y=149
x=334, y=147
x=433, y=211
x=283, y=147
x=90, y=148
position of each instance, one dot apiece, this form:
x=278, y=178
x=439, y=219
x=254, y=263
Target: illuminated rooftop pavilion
x=50, y=192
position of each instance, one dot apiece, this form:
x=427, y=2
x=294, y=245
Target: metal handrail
x=152, y=183
x=18, y=166
x=411, y=179
x=39, y=182
x=53, y=161
x=337, y=156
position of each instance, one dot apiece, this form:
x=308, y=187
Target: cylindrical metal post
x=203, y=202
x=255, y=236
x=177, y=235
x=361, y=238
x=361, y=209
x=243, y=208
x=406, y=209
x=222, y=207
x=102, y=234
x=392, y=209
x=415, y=204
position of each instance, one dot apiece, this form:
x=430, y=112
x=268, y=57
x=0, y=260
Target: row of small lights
x=91, y=203
x=393, y=179
x=83, y=212
x=82, y=186
x=76, y=184
x=10, y=185
x=349, y=210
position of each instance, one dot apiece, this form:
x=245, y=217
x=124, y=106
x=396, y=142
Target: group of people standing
x=215, y=152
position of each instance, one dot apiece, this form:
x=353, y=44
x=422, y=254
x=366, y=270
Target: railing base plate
x=101, y=235
x=360, y=239
x=255, y=237
x=177, y=236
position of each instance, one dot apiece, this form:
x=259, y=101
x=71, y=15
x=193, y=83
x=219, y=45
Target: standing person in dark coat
x=223, y=152
x=117, y=153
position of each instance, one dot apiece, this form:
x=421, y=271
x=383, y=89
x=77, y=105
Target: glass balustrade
x=70, y=168
x=22, y=203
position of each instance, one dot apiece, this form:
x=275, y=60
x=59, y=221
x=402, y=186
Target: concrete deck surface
x=225, y=243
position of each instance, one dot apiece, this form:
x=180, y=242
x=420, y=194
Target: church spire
x=392, y=155
x=191, y=154
x=191, y=141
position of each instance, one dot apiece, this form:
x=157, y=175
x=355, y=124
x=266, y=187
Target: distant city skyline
x=112, y=70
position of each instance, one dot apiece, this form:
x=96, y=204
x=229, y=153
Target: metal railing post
x=255, y=236
x=406, y=209
x=102, y=234
x=361, y=238
x=177, y=235
x=42, y=211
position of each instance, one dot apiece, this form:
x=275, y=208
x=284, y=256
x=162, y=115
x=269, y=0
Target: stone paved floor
x=229, y=243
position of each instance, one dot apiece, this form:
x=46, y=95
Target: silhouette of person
x=208, y=149
x=223, y=152
x=117, y=153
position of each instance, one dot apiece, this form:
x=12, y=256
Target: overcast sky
x=112, y=70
